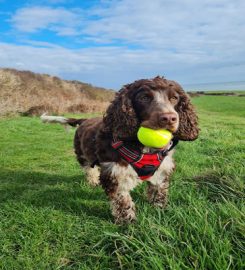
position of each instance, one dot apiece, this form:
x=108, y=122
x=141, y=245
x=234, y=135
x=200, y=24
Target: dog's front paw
x=123, y=210
x=157, y=196
x=125, y=217
x=161, y=204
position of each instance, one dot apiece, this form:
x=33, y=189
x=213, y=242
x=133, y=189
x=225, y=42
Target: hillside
x=32, y=93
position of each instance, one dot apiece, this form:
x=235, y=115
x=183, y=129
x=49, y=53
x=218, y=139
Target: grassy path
x=51, y=219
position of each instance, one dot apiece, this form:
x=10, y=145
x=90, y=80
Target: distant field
x=238, y=92
x=225, y=105
x=52, y=219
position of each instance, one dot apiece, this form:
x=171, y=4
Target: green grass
x=224, y=105
x=52, y=219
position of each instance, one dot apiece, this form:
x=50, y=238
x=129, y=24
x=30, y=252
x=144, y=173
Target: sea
x=222, y=86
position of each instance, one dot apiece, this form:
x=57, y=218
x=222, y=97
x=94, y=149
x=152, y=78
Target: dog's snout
x=168, y=118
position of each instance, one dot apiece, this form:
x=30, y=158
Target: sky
x=110, y=43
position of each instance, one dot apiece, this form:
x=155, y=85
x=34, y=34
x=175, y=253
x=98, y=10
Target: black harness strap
x=175, y=142
x=145, y=164
x=96, y=162
x=148, y=170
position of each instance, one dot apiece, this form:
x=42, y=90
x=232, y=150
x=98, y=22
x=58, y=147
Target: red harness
x=146, y=164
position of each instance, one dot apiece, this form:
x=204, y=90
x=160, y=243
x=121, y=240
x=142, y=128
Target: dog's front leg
x=117, y=182
x=158, y=193
x=123, y=208
x=158, y=184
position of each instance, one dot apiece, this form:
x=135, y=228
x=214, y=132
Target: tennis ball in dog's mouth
x=154, y=138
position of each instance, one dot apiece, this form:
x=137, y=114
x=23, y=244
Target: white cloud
x=187, y=40
x=111, y=66
x=102, y=66
x=33, y=19
x=195, y=27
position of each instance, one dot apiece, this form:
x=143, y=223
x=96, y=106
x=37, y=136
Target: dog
x=108, y=149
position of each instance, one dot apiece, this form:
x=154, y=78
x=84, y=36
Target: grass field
x=50, y=218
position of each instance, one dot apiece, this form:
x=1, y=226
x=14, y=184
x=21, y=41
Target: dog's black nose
x=168, y=118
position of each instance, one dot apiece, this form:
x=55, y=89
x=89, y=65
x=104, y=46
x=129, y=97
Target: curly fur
x=188, y=128
x=120, y=119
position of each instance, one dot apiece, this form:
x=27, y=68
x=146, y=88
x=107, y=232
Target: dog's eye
x=174, y=99
x=145, y=98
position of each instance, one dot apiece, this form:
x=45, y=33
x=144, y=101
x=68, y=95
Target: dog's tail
x=61, y=120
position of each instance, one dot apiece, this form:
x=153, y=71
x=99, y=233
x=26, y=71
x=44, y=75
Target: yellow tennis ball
x=154, y=138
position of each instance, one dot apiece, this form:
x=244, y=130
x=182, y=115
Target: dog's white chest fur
x=128, y=179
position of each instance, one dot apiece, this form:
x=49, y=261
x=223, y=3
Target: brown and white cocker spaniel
x=109, y=150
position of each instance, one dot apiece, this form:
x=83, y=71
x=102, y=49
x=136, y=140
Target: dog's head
x=156, y=104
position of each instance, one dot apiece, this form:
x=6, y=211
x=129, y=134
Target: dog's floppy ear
x=188, y=129
x=120, y=118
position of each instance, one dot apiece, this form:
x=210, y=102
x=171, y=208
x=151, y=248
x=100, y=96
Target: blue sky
x=110, y=43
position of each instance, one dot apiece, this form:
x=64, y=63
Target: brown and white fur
x=156, y=103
